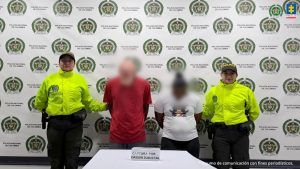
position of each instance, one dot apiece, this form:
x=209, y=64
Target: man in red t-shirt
x=128, y=98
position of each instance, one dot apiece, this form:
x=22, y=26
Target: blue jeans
x=126, y=146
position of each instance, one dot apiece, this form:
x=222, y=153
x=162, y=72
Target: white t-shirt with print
x=179, y=122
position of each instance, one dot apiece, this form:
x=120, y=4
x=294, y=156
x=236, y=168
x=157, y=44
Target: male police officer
x=232, y=108
x=64, y=96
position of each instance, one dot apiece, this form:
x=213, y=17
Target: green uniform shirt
x=64, y=93
x=227, y=103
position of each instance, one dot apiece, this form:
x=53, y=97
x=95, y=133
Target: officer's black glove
x=246, y=127
x=44, y=119
x=80, y=115
x=210, y=129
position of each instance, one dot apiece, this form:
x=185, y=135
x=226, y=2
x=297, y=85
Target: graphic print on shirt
x=179, y=111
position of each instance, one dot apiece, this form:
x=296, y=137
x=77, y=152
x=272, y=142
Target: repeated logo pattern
x=195, y=37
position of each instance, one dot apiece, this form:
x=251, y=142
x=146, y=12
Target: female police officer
x=232, y=108
x=64, y=95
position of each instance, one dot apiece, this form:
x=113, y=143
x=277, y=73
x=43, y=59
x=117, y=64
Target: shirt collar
x=65, y=74
x=227, y=85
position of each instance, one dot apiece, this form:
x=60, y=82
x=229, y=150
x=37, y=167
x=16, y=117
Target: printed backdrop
x=195, y=36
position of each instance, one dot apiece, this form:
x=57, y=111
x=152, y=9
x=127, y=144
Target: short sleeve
x=198, y=106
x=159, y=105
x=147, y=95
x=107, y=98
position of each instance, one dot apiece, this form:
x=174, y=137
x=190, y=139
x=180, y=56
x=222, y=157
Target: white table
x=120, y=159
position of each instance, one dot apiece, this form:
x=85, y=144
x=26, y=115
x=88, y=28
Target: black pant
x=64, y=142
x=230, y=145
x=192, y=146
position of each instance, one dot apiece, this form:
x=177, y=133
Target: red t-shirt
x=127, y=124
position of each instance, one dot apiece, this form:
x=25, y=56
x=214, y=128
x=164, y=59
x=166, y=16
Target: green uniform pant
x=230, y=145
x=64, y=142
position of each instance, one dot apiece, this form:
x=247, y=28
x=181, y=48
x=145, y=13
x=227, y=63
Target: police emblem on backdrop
x=41, y=26
x=223, y=26
x=176, y=64
x=198, y=85
x=291, y=86
x=219, y=62
x=107, y=47
x=87, y=26
x=291, y=46
x=152, y=47
x=269, y=25
x=16, y=7
x=151, y=125
x=31, y=104
x=245, y=7
x=245, y=46
x=177, y=26
x=85, y=65
x=276, y=10
x=108, y=8
x=86, y=144
x=247, y=82
x=269, y=65
x=153, y=8
x=201, y=127
x=198, y=47
x=13, y=85
x=132, y=26
x=291, y=127
x=269, y=147
x=178, y=111
x=101, y=84
x=155, y=85
x=60, y=46
x=62, y=8
x=1, y=64
x=2, y=25
x=11, y=125
x=35, y=144
x=199, y=8
x=39, y=64
x=15, y=46
x=269, y=105
x=102, y=125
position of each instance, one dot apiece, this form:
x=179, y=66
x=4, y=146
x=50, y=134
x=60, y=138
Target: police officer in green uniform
x=64, y=96
x=232, y=108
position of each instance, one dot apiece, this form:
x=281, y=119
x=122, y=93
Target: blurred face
x=228, y=77
x=127, y=72
x=66, y=64
x=179, y=92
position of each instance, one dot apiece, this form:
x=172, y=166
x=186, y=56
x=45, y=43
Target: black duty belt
x=224, y=126
x=62, y=117
x=78, y=116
